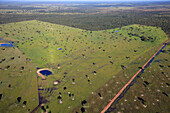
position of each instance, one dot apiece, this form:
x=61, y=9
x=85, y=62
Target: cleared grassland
x=96, y=104
x=18, y=83
x=91, y=58
x=152, y=87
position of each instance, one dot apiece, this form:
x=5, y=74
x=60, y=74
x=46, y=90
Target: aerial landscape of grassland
x=151, y=91
x=87, y=61
x=18, y=84
x=96, y=103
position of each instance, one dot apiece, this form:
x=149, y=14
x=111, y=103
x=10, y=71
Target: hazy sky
x=85, y=0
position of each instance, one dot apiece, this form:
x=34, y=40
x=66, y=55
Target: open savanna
x=88, y=59
x=151, y=91
x=18, y=83
x=96, y=103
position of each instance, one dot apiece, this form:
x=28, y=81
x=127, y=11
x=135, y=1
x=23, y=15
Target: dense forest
x=93, y=16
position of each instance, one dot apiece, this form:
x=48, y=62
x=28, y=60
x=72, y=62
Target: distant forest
x=92, y=19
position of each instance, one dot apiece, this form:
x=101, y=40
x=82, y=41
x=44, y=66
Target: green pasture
x=154, y=93
x=114, y=85
x=83, y=52
x=17, y=82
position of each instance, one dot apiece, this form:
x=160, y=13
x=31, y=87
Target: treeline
x=100, y=21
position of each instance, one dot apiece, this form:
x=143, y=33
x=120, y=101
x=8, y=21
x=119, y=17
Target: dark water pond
x=46, y=72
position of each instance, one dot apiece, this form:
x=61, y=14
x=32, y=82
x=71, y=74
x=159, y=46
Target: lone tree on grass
x=89, y=81
x=86, y=76
x=25, y=102
x=65, y=88
x=59, y=97
x=123, y=67
x=94, y=72
x=43, y=108
x=82, y=110
x=9, y=85
x=0, y=96
x=19, y=99
x=73, y=81
x=83, y=102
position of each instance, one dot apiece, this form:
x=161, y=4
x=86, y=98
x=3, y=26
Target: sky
x=85, y=0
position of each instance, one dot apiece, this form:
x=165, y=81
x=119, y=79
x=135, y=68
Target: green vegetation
x=151, y=92
x=18, y=84
x=90, y=16
x=88, y=59
x=113, y=86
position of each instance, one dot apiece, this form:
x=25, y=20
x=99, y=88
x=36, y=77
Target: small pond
x=6, y=45
x=46, y=72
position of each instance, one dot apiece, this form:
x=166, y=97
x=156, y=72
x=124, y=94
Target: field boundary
x=128, y=84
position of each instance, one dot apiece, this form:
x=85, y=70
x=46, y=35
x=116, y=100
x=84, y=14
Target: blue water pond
x=6, y=45
x=59, y=48
x=46, y=72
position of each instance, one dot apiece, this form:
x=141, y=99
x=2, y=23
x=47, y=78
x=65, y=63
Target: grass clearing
x=18, y=79
x=152, y=87
x=91, y=58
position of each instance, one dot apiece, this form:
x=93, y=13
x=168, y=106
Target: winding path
x=128, y=83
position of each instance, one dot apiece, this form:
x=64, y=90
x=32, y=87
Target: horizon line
x=83, y=0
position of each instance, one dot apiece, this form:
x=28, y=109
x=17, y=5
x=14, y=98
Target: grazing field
x=102, y=96
x=18, y=84
x=151, y=91
x=85, y=62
